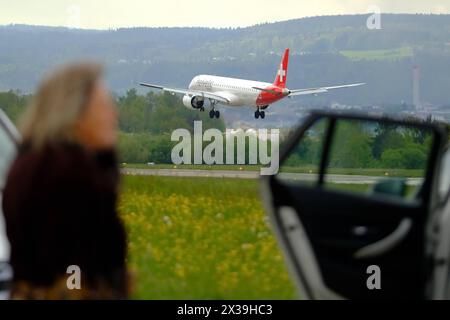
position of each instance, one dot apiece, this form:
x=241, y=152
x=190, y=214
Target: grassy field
x=202, y=238
x=305, y=169
x=390, y=54
x=198, y=238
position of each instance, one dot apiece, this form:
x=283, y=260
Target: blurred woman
x=60, y=197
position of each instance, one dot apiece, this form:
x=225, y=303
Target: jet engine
x=195, y=102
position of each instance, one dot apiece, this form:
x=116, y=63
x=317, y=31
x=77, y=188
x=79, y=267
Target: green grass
x=203, y=238
x=198, y=238
x=390, y=54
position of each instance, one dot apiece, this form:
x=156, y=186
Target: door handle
x=386, y=244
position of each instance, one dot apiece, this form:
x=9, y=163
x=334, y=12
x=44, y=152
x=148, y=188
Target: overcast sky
x=104, y=14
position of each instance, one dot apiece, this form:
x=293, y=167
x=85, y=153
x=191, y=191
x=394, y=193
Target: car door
x=439, y=233
x=8, y=142
x=350, y=202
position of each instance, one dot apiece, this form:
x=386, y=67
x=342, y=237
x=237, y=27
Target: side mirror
x=393, y=187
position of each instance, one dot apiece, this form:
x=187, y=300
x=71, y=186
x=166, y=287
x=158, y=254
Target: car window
x=303, y=162
x=367, y=157
x=373, y=158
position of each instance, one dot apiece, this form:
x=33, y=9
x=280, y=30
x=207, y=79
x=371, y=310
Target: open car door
x=350, y=206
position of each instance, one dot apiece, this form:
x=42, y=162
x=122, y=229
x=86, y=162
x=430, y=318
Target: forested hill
x=325, y=50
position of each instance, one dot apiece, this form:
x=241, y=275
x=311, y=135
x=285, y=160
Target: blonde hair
x=58, y=103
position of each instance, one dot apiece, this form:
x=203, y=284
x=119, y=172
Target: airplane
x=239, y=92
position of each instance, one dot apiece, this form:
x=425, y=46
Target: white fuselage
x=238, y=91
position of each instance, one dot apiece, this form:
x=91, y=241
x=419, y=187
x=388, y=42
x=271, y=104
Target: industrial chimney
x=416, y=88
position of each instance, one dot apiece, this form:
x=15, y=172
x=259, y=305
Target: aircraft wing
x=189, y=92
x=301, y=92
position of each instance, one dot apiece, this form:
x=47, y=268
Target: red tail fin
x=281, y=78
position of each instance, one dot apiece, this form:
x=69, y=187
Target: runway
x=192, y=173
x=332, y=178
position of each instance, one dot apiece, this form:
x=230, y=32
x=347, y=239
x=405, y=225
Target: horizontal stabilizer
x=301, y=92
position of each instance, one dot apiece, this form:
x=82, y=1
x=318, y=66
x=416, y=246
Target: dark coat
x=60, y=210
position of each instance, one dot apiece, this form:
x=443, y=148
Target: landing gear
x=202, y=109
x=259, y=113
x=214, y=114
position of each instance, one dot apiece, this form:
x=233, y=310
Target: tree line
x=357, y=144
x=147, y=121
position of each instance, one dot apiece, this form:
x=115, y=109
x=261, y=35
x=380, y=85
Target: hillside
x=325, y=50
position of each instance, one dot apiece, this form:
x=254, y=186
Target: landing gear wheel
x=257, y=114
x=202, y=109
x=262, y=114
x=212, y=114
x=217, y=114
